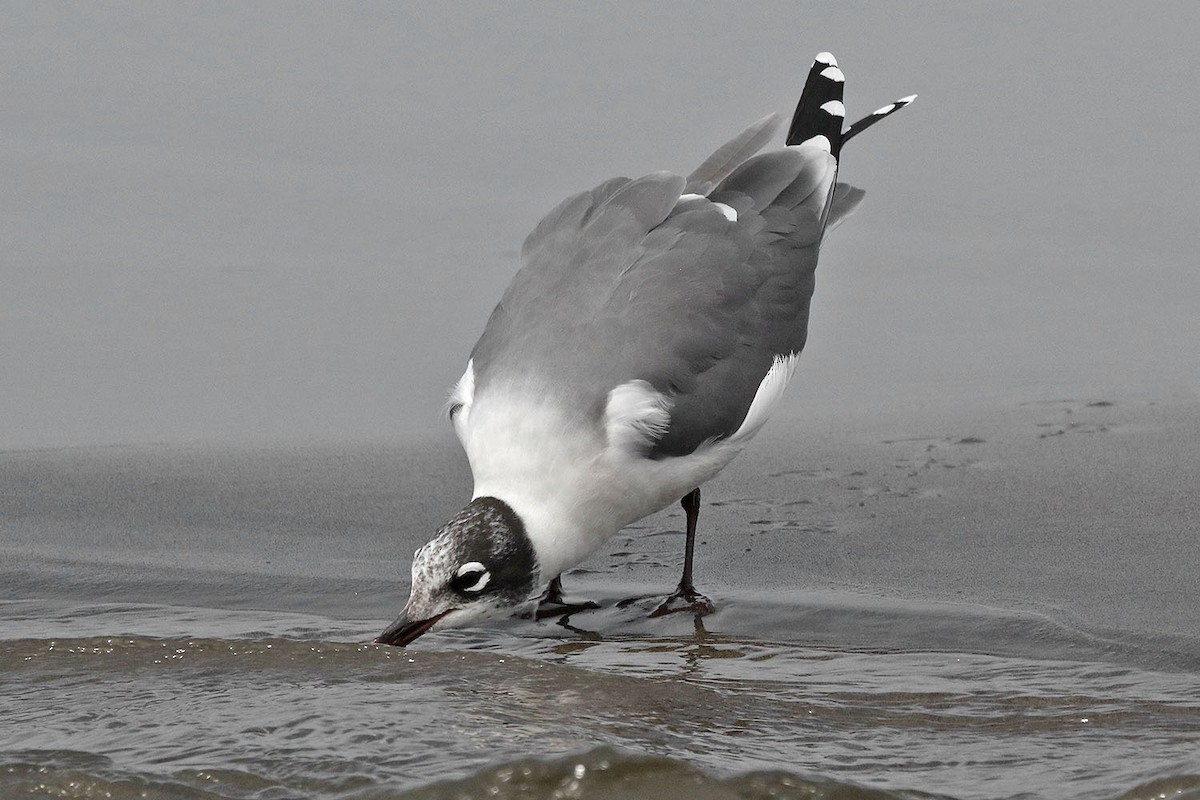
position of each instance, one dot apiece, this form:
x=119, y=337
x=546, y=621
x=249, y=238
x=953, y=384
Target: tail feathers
x=796, y=177
x=875, y=116
x=820, y=112
x=730, y=155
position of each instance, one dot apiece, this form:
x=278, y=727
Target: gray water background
x=232, y=222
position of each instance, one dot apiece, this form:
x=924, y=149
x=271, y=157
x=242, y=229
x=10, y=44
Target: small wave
x=603, y=772
x=312, y=710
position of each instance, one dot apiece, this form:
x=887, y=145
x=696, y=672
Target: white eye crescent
x=471, y=577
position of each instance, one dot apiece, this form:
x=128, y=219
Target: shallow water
x=263, y=705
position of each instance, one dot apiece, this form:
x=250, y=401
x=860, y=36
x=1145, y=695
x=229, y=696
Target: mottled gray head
x=481, y=564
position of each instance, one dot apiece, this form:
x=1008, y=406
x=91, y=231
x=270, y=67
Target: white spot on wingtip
x=820, y=140
x=728, y=211
x=906, y=100
x=825, y=57
x=833, y=74
x=834, y=107
x=884, y=110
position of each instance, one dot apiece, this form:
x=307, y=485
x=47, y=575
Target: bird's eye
x=470, y=578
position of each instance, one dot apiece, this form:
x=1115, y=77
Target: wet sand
x=1084, y=509
x=1080, y=509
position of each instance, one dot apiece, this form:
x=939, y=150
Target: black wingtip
x=820, y=111
x=875, y=116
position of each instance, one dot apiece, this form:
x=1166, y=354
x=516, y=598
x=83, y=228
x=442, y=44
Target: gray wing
x=629, y=282
x=730, y=155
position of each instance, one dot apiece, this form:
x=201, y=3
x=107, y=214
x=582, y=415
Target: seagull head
x=481, y=564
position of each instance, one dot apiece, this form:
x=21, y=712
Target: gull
x=647, y=336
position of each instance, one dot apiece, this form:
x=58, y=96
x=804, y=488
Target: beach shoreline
x=1078, y=510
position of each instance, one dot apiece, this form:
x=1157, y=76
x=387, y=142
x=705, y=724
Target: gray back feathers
x=631, y=281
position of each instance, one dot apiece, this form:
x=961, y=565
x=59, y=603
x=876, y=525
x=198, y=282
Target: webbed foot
x=552, y=603
x=685, y=598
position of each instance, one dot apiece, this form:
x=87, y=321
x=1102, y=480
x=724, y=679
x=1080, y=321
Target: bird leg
x=686, y=598
x=552, y=603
